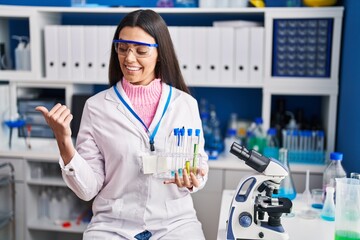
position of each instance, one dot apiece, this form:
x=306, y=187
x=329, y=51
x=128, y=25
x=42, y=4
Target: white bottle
x=43, y=205
x=26, y=61
x=229, y=140
x=19, y=53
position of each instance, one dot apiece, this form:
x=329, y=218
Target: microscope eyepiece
x=239, y=151
x=252, y=158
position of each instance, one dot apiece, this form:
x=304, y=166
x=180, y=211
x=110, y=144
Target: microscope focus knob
x=245, y=219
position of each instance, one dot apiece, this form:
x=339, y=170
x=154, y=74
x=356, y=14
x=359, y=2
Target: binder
x=173, y=31
x=104, y=42
x=51, y=52
x=199, y=64
x=242, y=61
x=64, y=52
x=77, y=60
x=90, y=52
x=213, y=55
x=256, y=54
x=185, y=38
x=227, y=54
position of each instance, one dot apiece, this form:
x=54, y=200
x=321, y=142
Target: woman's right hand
x=58, y=119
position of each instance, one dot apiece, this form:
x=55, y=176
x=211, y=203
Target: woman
x=122, y=129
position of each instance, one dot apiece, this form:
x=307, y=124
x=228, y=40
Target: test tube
x=196, y=150
x=181, y=146
x=189, y=150
x=174, y=151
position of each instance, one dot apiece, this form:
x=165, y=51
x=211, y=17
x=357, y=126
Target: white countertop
x=298, y=228
x=47, y=149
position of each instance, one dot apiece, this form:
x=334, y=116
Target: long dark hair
x=167, y=67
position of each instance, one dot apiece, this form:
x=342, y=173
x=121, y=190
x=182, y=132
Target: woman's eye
x=142, y=50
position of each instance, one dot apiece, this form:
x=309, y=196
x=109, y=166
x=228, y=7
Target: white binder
x=256, y=54
x=51, y=52
x=90, y=53
x=77, y=60
x=185, y=37
x=104, y=42
x=213, y=55
x=242, y=61
x=174, y=34
x=64, y=52
x=199, y=65
x=227, y=54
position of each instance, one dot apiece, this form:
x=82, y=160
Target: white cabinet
x=6, y=200
x=51, y=208
x=223, y=174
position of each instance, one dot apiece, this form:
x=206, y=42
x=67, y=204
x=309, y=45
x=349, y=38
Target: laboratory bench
x=298, y=228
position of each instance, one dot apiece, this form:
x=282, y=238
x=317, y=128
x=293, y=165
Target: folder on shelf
x=185, y=37
x=77, y=60
x=198, y=67
x=227, y=54
x=64, y=52
x=51, y=51
x=242, y=44
x=174, y=38
x=104, y=42
x=256, y=54
x=90, y=46
x=213, y=54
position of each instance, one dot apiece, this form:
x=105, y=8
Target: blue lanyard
x=152, y=135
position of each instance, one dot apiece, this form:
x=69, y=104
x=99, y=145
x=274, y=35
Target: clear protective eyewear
x=139, y=49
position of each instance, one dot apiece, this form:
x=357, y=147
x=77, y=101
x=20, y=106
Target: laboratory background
x=279, y=77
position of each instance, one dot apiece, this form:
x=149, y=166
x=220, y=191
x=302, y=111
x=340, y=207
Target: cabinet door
x=207, y=203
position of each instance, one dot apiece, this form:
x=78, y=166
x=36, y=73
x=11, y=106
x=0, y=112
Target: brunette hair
x=167, y=67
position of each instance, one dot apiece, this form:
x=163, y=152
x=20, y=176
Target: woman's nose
x=130, y=56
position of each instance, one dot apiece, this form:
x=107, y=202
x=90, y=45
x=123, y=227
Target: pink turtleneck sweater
x=144, y=99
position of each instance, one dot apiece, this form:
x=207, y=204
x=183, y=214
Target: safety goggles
x=139, y=49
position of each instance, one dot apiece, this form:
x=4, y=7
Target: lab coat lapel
x=111, y=95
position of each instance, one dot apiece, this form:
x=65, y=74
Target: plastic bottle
x=26, y=61
x=229, y=140
x=328, y=211
x=43, y=205
x=256, y=136
x=19, y=53
x=216, y=142
x=333, y=170
x=272, y=144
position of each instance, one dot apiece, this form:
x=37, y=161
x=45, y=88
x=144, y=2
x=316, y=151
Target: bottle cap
x=271, y=131
x=336, y=156
x=231, y=132
x=258, y=120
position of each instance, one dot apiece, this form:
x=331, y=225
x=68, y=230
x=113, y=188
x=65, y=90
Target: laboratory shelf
x=47, y=225
x=54, y=182
x=233, y=163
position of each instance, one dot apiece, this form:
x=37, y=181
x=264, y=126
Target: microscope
x=253, y=198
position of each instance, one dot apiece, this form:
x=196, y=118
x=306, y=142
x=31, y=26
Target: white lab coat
x=108, y=166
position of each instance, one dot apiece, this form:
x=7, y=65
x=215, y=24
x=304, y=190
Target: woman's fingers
x=186, y=179
x=58, y=118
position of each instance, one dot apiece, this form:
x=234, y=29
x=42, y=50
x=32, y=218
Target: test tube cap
x=197, y=132
x=189, y=131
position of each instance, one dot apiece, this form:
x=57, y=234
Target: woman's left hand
x=186, y=180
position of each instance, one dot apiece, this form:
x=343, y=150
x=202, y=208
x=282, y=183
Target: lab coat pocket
x=108, y=208
x=180, y=208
